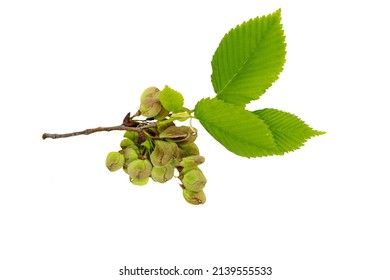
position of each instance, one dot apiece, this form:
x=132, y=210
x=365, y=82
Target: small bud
x=194, y=180
x=191, y=161
x=139, y=169
x=150, y=103
x=163, y=152
x=126, y=142
x=162, y=174
x=139, y=182
x=114, y=161
x=182, y=135
x=194, y=198
x=132, y=135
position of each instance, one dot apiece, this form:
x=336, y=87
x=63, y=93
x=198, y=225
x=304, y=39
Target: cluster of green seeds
x=156, y=152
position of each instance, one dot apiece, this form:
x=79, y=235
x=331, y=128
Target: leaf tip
x=318, y=132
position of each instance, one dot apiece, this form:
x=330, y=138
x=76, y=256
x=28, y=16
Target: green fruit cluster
x=155, y=153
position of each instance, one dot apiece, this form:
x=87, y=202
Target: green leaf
x=171, y=99
x=249, y=59
x=289, y=132
x=239, y=130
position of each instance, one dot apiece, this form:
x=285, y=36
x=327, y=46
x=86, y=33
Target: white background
x=321, y=212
